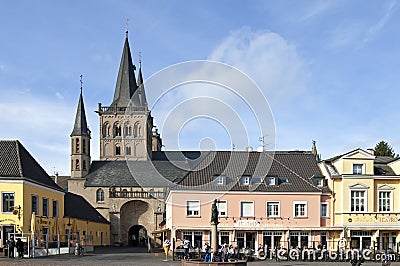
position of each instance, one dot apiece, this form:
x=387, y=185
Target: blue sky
x=329, y=69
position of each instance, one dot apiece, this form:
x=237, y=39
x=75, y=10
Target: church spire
x=140, y=95
x=80, y=125
x=126, y=81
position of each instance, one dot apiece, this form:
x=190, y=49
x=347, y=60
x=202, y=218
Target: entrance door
x=137, y=236
x=250, y=240
x=6, y=230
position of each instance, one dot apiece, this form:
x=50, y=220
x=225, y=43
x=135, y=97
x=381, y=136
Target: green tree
x=383, y=148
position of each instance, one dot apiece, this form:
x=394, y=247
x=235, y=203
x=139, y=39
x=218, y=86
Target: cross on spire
x=126, y=31
x=140, y=59
x=81, y=76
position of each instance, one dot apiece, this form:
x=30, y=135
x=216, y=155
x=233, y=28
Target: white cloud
x=270, y=60
x=264, y=56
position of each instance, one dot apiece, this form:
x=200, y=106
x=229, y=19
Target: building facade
x=264, y=200
x=32, y=204
x=365, y=202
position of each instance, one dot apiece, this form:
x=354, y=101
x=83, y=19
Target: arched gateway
x=137, y=236
x=136, y=219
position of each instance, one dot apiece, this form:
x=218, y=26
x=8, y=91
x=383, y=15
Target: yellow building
x=32, y=204
x=365, y=201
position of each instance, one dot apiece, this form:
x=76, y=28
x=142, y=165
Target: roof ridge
x=17, y=147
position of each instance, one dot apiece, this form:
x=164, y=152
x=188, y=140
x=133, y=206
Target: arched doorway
x=137, y=236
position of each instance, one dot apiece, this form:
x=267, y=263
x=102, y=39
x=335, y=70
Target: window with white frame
x=320, y=182
x=246, y=209
x=35, y=204
x=300, y=209
x=357, y=169
x=7, y=201
x=192, y=208
x=273, y=209
x=223, y=237
x=222, y=208
x=324, y=209
x=245, y=180
x=271, y=181
x=220, y=180
x=384, y=201
x=99, y=195
x=45, y=207
x=358, y=200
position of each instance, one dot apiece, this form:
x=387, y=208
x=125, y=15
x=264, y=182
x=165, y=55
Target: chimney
x=371, y=151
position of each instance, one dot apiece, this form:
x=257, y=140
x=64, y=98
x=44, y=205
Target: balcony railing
x=117, y=109
x=136, y=194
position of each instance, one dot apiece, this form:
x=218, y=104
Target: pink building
x=264, y=199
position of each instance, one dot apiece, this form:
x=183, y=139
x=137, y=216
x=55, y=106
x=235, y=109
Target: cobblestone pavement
x=138, y=256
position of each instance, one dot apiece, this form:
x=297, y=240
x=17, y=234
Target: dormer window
x=220, y=180
x=357, y=169
x=320, y=182
x=271, y=181
x=245, y=180
x=256, y=180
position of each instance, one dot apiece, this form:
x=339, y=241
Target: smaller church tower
x=80, y=142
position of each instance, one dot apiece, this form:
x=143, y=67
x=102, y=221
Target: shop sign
x=375, y=219
x=7, y=220
x=246, y=223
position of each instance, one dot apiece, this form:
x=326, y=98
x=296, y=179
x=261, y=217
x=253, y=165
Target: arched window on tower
x=84, y=146
x=128, y=150
x=117, y=130
x=77, y=145
x=84, y=165
x=77, y=166
x=117, y=150
x=136, y=130
x=99, y=195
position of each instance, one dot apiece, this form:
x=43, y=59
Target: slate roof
x=126, y=80
x=80, y=125
x=293, y=171
x=76, y=206
x=163, y=171
x=381, y=166
x=17, y=163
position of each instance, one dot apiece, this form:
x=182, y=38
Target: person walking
x=11, y=245
x=206, y=250
x=20, y=248
x=186, y=246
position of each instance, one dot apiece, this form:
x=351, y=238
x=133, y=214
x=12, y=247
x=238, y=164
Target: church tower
x=80, y=142
x=126, y=125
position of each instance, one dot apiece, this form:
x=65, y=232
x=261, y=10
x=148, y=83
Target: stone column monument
x=214, y=224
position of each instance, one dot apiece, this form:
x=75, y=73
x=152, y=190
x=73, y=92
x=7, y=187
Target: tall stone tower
x=80, y=142
x=126, y=125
